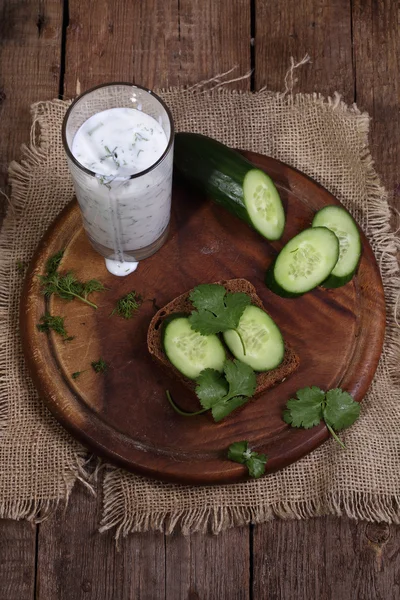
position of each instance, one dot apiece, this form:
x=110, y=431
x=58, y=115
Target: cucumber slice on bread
x=338, y=220
x=260, y=337
x=231, y=181
x=189, y=351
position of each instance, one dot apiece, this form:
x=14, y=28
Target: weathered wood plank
x=377, y=69
x=75, y=561
x=321, y=29
x=326, y=558
x=208, y=566
x=17, y=560
x=156, y=43
x=30, y=56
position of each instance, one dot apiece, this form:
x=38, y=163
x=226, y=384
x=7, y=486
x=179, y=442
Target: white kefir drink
x=124, y=208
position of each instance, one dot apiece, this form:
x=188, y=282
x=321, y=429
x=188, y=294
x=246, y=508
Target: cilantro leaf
x=217, y=310
x=306, y=410
x=240, y=452
x=236, y=303
x=256, y=464
x=205, y=322
x=241, y=378
x=208, y=296
x=225, y=406
x=224, y=394
x=341, y=410
x=211, y=387
x=336, y=407
x=236, y=451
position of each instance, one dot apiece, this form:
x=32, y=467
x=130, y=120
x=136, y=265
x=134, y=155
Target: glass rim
x=111, y=84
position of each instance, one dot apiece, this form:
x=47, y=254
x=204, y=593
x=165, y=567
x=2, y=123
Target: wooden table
x=51, y=48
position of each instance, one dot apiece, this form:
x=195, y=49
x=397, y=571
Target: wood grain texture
x=30, y=55
x=76, y=562
x=17, y=560
x=326, y=558
x=152, y=439
x=155, y=43
x=321, y=29
x=208, y=567
x=377, y=67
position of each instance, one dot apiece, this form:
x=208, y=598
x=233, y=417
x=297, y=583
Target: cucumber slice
x=338, y=220
x=189, y=351
x=261, y=337
x=231, y=181
x=263, y=204
x=305, y=262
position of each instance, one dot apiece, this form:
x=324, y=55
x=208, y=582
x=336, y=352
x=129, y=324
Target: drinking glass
x=125, y=218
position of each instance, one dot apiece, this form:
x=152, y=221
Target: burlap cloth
x=39, y=462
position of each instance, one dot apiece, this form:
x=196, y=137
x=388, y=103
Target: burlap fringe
x=356, y=505
x=40, y=509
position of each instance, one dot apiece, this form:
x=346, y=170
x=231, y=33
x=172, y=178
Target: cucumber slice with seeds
x=189, y=351
x=261, y=337
x=263, y=204
x=304, y=263
x=338, y=220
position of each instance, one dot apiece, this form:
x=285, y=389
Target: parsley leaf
x=218, y=310
x=240, y=452
x=336, y=407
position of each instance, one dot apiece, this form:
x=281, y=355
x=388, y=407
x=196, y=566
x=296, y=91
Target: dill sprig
x=55, y=323
x=76, y=374
x=21, y=267
x=128, y=305
x=53, y=263
x=69, y=287
x=99, y=366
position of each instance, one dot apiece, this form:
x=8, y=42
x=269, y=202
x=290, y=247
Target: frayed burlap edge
x=76, y=470
x=355, y=505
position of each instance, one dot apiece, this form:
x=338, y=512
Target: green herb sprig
x=128, y=305
x=99, y=366
x=69, y=287
x=21, y=267
x=312, y=405
x=55, y=323
x=217, y=309
x=53, y=263
x=77, y=374
x=240, y=452
x=222, y=393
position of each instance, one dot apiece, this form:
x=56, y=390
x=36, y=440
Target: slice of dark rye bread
x=182, y=304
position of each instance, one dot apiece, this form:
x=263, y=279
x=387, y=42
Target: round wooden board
x=123, y=415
